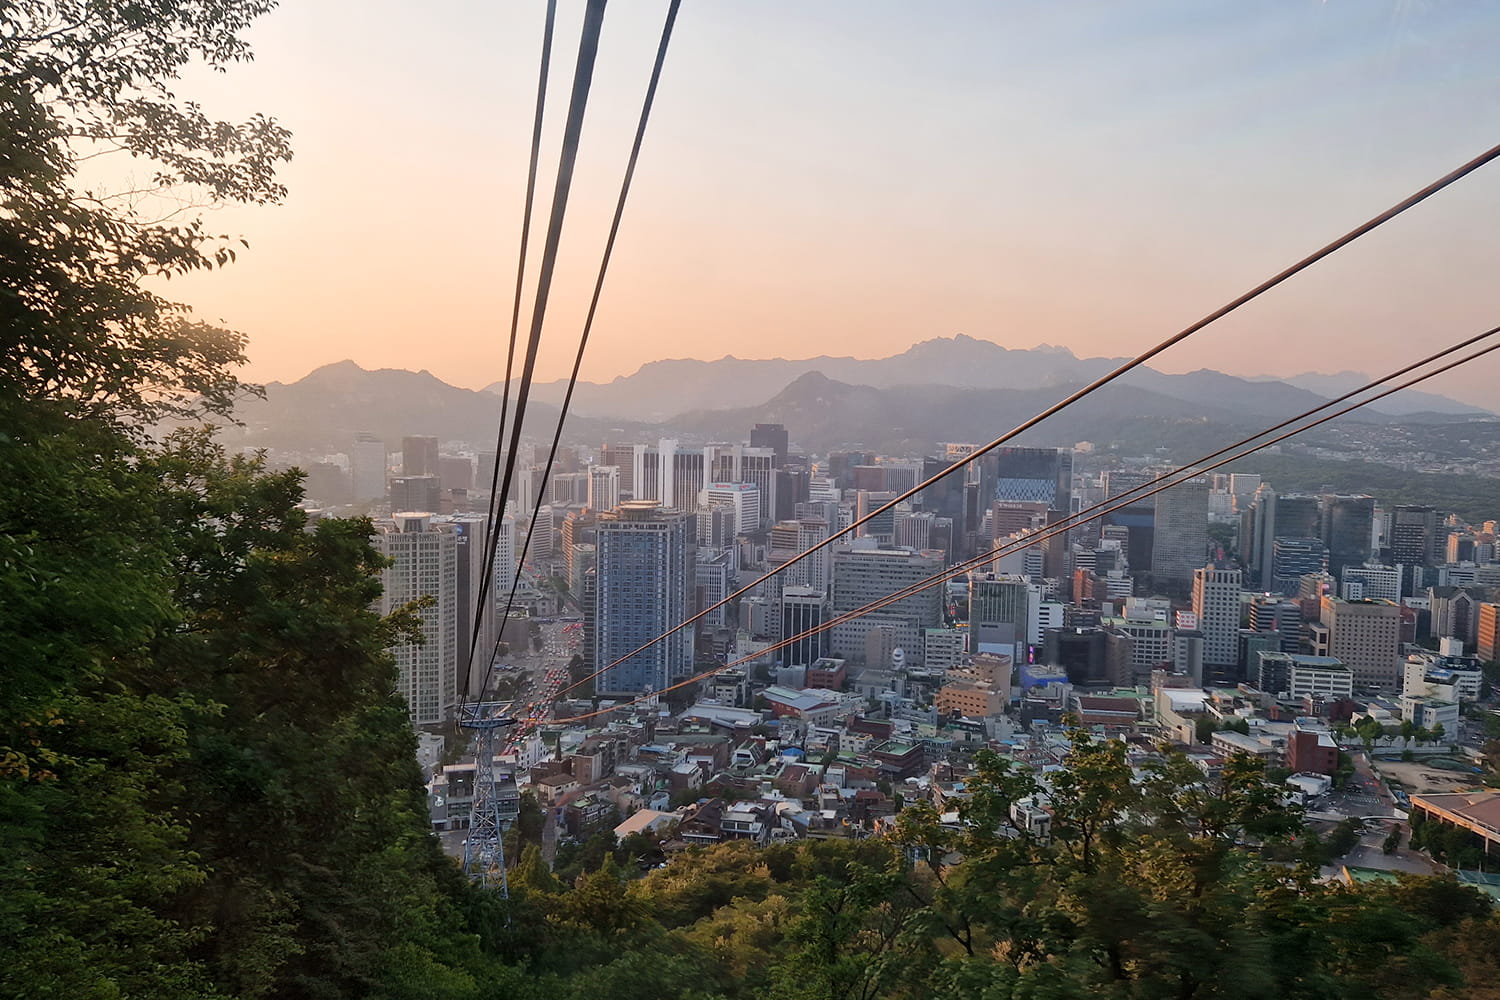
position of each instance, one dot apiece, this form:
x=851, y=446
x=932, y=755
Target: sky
x=850, y=178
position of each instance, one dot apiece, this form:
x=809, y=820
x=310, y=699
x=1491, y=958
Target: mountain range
x=660, y=390
x=950, y=389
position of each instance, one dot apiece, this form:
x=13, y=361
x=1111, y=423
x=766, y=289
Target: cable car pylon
x=496, y=802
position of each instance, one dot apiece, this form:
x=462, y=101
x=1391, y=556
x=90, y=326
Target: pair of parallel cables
x=1240, y=449
x=500, y=485
x=1323, y=252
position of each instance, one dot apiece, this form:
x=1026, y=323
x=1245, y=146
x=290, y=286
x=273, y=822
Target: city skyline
x=819, y=182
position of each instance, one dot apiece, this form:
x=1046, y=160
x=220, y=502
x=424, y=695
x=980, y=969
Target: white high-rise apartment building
x=424, y=564
x=1216, y=603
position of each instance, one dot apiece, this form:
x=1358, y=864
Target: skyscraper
x=1366, y=635
x=424, y=563
x=744, y=498
x=367, y=464
x=999, y=615
x=622, y=457
x=470, y=540
x=1348, y=523
x=1180, y=538
x=416, y=493
x=645, y=576
x=1039, y=475
x=1291, y=560
x=862, y=576
x=1414, y=536
x=714, y=577
x=505, y=559
x=771, y=436
x=419, y=456
x=1216, y=603
x=457, y=472
x=803, y=608
x=604, y=487
x=1298, y=516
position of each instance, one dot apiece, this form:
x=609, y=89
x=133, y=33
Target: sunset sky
x=850, y=178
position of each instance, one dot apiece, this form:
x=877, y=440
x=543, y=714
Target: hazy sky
x=850, y=178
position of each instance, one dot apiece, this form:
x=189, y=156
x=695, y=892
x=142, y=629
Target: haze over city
x=972, y=565
x=854, y=178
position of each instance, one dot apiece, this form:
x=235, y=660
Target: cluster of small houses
x=711, y=774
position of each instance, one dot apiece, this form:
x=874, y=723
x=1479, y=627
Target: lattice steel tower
x=496, y=802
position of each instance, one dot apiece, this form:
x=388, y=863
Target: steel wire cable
x=588, y=323
x=497, y=509
x=1140, y=359
x=583, y=75
x=1164, y=482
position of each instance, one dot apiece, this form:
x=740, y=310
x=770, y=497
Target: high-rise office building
x=1038, y=475
x=743, y=498
x=1291, y=560
x=1180, y=540
x=1216, y=603
x=484, y=472
x=470, y=541
x=791, y=538
x=1298, y=516
x=543, y=533
x=505, y=558
x=1348, y=523
x=713, y=577
x=914, y=529
x=456, y=472
x=367, y=466
x=772, y=436
x=1415, y=539
x=1370, y=582
x=622, y=457
x=424, y=564
x=669, y=474
x=1257, y=529
x=793, y=485
x=999, y=615
x=863, y=576
x=717, y=524
x=1284, y=618
x=604, y=487
x=1242, y=486
x=416, y=493
x=645, y=576
x=1366, y=635
x=802, y=609
x=568, y=488
x=1488, y=645
x=419, y=456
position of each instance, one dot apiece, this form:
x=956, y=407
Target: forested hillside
x=207, y=788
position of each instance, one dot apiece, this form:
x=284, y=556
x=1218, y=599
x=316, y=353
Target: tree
x=1344, y=838
x=82, y=80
